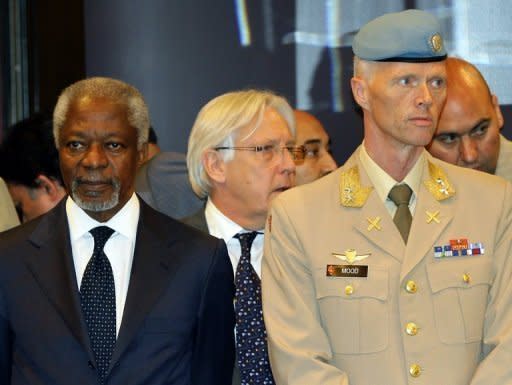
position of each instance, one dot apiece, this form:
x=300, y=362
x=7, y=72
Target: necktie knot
x=246, y=240
x=400, y=194
x=101, y=235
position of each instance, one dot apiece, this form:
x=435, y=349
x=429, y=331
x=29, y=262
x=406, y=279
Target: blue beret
x=408, y=36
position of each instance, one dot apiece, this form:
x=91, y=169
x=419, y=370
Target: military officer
x=468, y=133
x=393, y=269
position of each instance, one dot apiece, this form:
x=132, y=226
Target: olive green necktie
x=400, y=195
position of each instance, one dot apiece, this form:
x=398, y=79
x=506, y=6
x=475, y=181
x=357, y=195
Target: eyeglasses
x=271, y=152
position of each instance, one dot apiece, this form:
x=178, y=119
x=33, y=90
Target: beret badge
x=436, y=42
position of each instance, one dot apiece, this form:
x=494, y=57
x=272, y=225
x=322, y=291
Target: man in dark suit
x=152, y=305
x=163, y=184
x=240, y=156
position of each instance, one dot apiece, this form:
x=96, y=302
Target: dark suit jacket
x=198, y=220
x=178, y=320
x=163, y=184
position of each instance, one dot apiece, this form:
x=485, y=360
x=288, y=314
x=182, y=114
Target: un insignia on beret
x=409, y=36
x=436, y=43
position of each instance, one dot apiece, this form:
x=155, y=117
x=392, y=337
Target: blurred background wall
x=180, y=54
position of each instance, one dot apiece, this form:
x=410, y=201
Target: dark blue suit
x=178, y=320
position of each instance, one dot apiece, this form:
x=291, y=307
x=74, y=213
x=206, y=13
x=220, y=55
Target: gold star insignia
x=374, y=223
x=352, y=194
x=432, y=217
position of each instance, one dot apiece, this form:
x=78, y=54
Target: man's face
x=468, y=133
x=30, y=202
x=99, y=156
x=251, y=179
x=403, y=102
x=318, y=160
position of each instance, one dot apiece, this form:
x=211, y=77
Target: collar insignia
x=374, y=223
x=352, y=194
x=438, y=184
x=432, y=217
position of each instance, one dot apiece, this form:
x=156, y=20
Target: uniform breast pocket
x=354, y=311
x=460, y=288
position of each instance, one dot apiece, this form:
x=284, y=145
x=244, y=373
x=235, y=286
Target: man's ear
x=50, y=187
x=497, y=110
x=360, y=91
x=142, y=154
x=214, y=165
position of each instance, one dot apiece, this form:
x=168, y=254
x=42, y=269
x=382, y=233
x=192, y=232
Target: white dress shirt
x=118, y=249
x=222, y=227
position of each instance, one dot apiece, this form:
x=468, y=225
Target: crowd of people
x=253, y=259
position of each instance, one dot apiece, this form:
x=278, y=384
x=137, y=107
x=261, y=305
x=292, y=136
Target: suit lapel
x=156, y=258
x=52, y=266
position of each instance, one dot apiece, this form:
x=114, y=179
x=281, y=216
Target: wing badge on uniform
x=350, y=256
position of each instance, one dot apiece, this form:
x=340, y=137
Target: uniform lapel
x=376, y=225
x=372, y=220
x=156, y=258
x=430, y=219
x=52, y=266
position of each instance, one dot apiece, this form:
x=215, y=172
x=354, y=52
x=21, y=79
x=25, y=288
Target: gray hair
x=218, y=122
x=115, y=90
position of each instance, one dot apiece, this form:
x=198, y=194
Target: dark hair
x=152, y=138
x=28, y=151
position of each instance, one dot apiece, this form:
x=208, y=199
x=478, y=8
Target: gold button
x=415, y=370
x=411, y=287
x=411, y=329
x=349, y=289
x=466, y=278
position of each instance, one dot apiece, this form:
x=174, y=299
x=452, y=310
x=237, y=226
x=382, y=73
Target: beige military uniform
x=415, y=318
x=8, y=215
x=504, y=165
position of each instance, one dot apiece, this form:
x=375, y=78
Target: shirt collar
x=219, y=225
x=124, y=222
x=383, y=182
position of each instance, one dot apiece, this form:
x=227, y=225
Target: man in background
x=468, y=133
x=318, y=160
x=163, y=184
x=29, y=163
x=153, y=147
x=240, y=157
x=8, y=216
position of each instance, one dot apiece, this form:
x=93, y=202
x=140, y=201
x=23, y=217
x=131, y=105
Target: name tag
x=347, y=271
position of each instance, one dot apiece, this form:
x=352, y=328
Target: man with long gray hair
x=103, y=289
x=241, y=156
